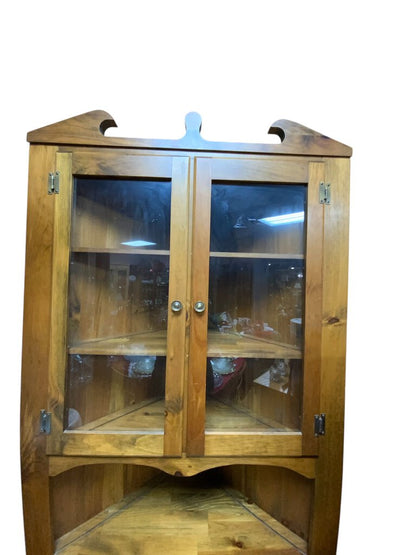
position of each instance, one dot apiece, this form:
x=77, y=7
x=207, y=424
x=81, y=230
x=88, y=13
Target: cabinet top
x=89, y=130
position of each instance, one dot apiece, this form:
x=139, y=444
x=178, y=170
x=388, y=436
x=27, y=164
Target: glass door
x=118, y=379
x=253, y=310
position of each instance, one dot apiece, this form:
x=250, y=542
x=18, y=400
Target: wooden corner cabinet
x=184, y=342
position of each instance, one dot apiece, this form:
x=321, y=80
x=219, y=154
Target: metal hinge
x=53, y=183
x=319, y=424
x=45, y=422
x=324, y=193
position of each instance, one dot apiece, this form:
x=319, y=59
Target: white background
x=345, y=69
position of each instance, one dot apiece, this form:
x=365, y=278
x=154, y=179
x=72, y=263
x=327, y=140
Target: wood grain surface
x=182, y=517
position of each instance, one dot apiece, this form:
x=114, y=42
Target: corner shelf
x=149, y=416
x=271, y=255
x=120, y=250
x=219, y=345
x=182, y=516
x=149, y=343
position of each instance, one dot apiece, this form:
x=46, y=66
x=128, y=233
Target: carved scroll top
x=89, y=130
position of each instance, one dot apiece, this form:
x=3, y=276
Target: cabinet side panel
x=335, y=274
x=82, y=492
x=36, y=326
x=284, y=494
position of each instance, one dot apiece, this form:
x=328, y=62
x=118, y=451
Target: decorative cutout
x=279, y=132
x=193, y=122
x=106, y=124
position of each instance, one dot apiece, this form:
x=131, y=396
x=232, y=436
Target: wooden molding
x=89, y=130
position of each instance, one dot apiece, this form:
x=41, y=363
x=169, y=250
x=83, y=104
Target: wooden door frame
x=89, y=162
x=256, y=169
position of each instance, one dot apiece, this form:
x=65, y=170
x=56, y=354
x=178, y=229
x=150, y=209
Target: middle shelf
x=149, y=417
x=219, y=345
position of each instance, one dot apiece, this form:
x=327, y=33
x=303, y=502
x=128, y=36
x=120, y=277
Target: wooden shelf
x=219, y=345
x=149, y=416
x=266, y=381
x=121, y=250
x=150, y=343
x=183, y=516
x=242, y=345
x=271, y=255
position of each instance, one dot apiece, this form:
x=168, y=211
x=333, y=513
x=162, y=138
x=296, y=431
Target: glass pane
x=256, y=306
x=118, y=304
x=253, y=394
x=257, y=218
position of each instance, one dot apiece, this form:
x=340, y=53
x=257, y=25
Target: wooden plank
x=148, y=415
x=113, y=443
x=106, y=421
x=89, y=128
x=114, y=163
x=219, y=345
x=226, y=417
x=152, y=343
x=313, y=308
x=271, y=255
x=182, y=517
x=59, y=300
x=186, y=466
x=265, y=517
x=285, y=495
x=199, y=321
x=335, y=275
x=121, y=250
x=176, y=340
x=245, y=444
x=288, y=171
x=71, y=503
x=148, y=418
x=239, y=345
x=36, y=326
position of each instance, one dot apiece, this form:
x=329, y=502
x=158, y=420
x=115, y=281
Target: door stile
x=313, y=308
x=176, y=339
x=59, y=301
x=324, y=525
x=195, y=443
x=35, y=349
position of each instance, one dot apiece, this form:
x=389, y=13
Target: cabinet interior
x=237, y=507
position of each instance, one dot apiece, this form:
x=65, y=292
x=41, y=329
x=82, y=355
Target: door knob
x=176, y=306
x=199, y=306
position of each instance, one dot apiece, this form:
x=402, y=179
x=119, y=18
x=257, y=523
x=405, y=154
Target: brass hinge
x=319, y=424
x=53, y=183
x=324, y=193
x=45, y=422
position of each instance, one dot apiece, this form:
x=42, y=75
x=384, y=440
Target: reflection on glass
x=256, y=305
x=115, y=393
x=253, y=394
x=260, y=298
x=257, y=218
x=118, y=304
x=114, y=295
x=112, y=213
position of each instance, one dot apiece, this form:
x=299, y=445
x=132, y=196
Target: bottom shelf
x=181, y=516
x=149, y=416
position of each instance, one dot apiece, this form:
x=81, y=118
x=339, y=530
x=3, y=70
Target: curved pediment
x=89, y=130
